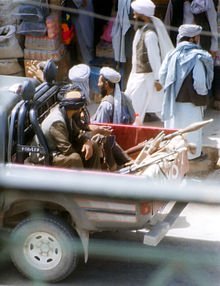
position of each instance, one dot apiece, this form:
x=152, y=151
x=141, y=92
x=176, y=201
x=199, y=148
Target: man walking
x=150, y=45
x=186, y=75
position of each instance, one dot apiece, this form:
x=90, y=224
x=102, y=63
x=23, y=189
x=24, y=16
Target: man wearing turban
x=200, y=12
x=150, y=45
x=66, y=138
x=186, y=75
x=79, y=74
x=110, y=110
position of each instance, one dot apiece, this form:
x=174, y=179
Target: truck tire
x=44, y=248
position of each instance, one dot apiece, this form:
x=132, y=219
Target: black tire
x=44, y=248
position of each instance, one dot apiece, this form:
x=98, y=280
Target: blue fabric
x=120, y=27
x=84, y=26
x=104, y=113
x=176, y=66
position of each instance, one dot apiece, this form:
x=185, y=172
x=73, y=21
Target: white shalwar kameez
x=186, y=114
x=140, y=87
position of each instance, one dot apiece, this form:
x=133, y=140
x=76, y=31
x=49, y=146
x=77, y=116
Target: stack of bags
x=10, y=49
x=47, y=46
x=42, y=31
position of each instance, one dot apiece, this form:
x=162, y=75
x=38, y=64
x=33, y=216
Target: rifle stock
x=190, y=128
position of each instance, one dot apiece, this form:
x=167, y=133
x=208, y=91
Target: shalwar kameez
x=186, y=75
x=140, y=88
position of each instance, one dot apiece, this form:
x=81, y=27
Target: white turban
x=144, y=7
x=110, y=74
x=188, y=30
x=114, y=77
x=79, y=74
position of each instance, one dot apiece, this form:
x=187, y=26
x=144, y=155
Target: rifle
x=190, y=128
x=134, y=167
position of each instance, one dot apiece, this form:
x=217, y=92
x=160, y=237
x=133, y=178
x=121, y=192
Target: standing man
x=150, y=45
x=186, y=75
x=202, y=13
x=83, y=21
x=122, y=35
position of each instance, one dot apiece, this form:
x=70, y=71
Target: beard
x=139, y=23
x=103, y=91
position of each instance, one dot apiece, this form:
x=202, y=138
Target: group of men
x=173, y=83
x=73, y=140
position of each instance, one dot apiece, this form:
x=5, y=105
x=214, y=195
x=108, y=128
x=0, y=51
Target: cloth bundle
x=200, y=6
x=9, y=45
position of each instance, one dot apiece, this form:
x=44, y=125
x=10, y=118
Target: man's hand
x=33, y=70
x=157, y=85
x=103, y=130
x=88, y=149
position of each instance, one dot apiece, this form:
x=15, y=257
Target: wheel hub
x=42, y=250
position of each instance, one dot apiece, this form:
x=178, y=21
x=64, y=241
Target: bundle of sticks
x=162, y=147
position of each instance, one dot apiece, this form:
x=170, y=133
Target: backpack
x=127, y=109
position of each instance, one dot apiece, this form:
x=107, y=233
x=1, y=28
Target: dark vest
x=200, y=19
x=142, y=60
x=188, y=94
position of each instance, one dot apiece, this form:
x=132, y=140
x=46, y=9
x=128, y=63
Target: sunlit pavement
x=198, y=222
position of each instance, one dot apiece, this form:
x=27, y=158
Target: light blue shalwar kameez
x=176, y=66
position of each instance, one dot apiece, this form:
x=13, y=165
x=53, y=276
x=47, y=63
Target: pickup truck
x=51, y=212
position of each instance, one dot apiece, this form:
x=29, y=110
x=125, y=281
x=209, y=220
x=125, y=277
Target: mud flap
x=160, y=229
x=84, y=236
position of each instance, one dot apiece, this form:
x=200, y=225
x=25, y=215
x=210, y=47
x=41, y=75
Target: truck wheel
x=44, y=248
